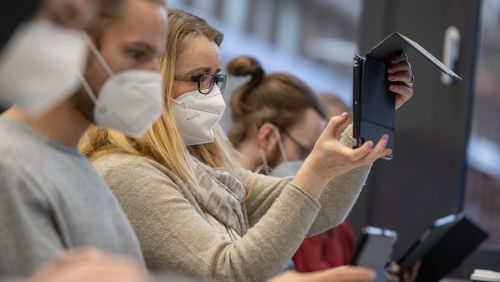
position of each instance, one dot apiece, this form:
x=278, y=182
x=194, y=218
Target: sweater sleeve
x=29, y=237
x=175, y=236
x=336, y=200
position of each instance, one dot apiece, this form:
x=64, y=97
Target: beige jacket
x=222, y=237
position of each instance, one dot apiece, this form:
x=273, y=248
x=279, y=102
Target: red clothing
x=326, y=250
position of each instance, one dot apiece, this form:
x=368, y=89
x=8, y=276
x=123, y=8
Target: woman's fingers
x=404, y=77
x=361, y=152
x=403, y=93
x=403, y=66
x=401, y=78
x=380, y=150
x=336, y=125
x=399, y=58
x=342, y=127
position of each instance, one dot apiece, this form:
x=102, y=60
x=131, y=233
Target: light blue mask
x=287, y=168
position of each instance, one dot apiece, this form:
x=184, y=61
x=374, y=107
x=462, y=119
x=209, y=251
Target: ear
x=266, y=137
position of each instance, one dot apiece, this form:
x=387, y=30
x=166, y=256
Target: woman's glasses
x=206, y=81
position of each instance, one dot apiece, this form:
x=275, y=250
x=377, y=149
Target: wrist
x=308, y=179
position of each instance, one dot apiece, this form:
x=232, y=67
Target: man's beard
x=83, y=104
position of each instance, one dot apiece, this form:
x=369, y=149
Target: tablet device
x=443, y=247
x=373, y=103
x=374, y=249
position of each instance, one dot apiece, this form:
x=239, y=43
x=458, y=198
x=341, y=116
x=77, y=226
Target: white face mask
x=129, y=101
x=196, y=115
x=286, y=167
x=39, y=66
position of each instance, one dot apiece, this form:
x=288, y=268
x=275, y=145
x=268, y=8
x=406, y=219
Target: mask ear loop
x=98, y=55
x=265, y=164
x=263, y=157
x=280, y=144
x=87, y=88
x=103, y=63
x=281, y=147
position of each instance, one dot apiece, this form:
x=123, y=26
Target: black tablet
x=373, y=103
x=443, y=247
x=374, y=249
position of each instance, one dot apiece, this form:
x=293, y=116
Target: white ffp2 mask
x=129, y=101
x=39, y=66
x=196, y=115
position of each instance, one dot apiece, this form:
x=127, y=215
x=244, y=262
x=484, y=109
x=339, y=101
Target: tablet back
x=443, y=248
x=373, y=102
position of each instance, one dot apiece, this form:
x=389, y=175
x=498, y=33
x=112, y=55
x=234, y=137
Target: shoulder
x=125, y=170
x=19, y=185
x=128, y=165
x=142, y=183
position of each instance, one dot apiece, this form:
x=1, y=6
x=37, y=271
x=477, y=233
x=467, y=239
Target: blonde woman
x=193, y=208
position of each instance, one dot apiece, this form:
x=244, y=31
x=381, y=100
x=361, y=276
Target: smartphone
x=374, y=249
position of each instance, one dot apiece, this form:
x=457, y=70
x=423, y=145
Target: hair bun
x=246, y=65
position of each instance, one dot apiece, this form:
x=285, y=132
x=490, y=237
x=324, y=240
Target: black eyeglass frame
x=219, y=79
x=304, y=152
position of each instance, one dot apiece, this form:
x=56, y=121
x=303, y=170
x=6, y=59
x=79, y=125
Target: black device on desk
x=373, y=102
x=443, y=247
x=374, y=249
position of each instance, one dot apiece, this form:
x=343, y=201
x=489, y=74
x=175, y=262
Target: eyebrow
x=148, y=47
x=203, y=69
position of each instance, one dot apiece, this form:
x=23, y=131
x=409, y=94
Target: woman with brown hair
x=193, y=208
x=276, y=119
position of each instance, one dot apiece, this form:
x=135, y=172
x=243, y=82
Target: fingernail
x=370, y=144
x=386, y=136
x=391, y=77
x=392, y=87
x=389, y=70
x=389, y=152
x=385, y=140
x=343, y=115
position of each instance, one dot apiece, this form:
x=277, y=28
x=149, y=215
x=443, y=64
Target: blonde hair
x=162, y=142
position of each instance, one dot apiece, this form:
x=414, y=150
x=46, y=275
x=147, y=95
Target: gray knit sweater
x=210, y=238
x=52, y=200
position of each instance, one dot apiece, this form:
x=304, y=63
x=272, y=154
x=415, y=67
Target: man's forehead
x=141, y=21
x=142, y=9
